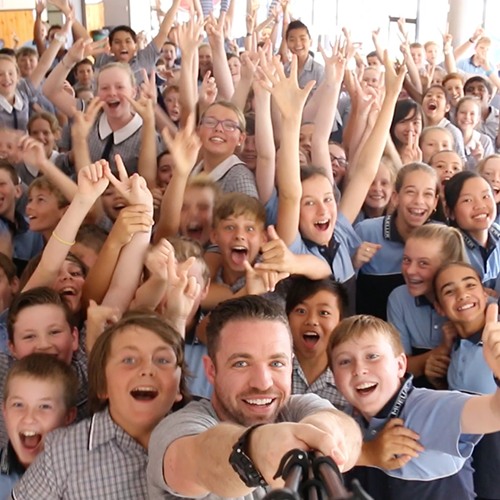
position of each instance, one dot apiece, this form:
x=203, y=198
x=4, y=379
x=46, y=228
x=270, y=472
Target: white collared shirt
x=18, y=103
x=122, y=134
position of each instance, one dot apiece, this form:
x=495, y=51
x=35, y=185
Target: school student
x=490, y=169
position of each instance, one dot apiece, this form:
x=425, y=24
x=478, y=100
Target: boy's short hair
x=83, y=62
x=45, y=184
x=416, y=45
x=26, y=52
x=169, y=89
x=453, y=76
x=484, y=40
x=39, y=296
x=481, y=79
x=11, y=170
x=309, y=172
x=125, y=28
x=92, y=236
x=301, y=288
x=46, y=367
x=236, y=204
x=11, y=53
x=8, y=267
x=185, y=248
x=48, y=117
x=355, y=327
x=79, y=89
x=430, y=43
x=202, y=181
x=296, y=25
x=101, y=351
x=373, y=54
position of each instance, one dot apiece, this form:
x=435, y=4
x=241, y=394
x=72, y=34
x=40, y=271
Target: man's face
x=479, y=90
x=253, y=371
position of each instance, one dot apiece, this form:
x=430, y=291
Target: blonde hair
x=185, y=248
x=236, y=204
x=451, y=240
x=428, y=130
x=6, y=57
x=356, y=327
x=45, y=184
x=229, y=105
x=119, y=65
x=482, y=164
x=390, y=166
x=202, y=181
x=48, y=117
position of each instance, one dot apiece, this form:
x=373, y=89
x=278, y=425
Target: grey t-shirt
x=199, y=416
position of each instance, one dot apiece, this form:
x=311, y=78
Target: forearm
x=222, y=74
x=162, y=120
x=450, y=64
x=218, y=293
x=413, y=73
x=149, y=295
x=333, y=422
x=81, y=153
x=101, y=273
x=68, y=187
x=166, y=25
x=147, y=157
x=53, y=89
x=38, y=34
x=312, y=267
x=461, y=50
x=416, y=364
x=481, y=415
x=56, y=251
x=241, y=92
x=197, y=465
x=265, y=170
x=188, y=94
x=171, y=206
x=45, y=63
x=128, y=272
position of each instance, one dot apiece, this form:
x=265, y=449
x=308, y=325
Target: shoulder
x=370, y=226
x=400, y=295
x=301, y=406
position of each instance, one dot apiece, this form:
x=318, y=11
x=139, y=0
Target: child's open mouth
x=144, y=393
x=432, y=106
x=194, y=231
x=310, y=339
x=366, y=388
x=322, y=225
x=30, y=439
x=239, y=254
x=113, y=104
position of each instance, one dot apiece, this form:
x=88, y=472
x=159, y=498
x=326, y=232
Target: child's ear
x=395, y=199
x=439, y=309
x=18, y=191
x=76, y=337
x=12, y=348
x=402, y=365
x=213, y=236
x=204, y=292
x=70, y=417
x=14, y=286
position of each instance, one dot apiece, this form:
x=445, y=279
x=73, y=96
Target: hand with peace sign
x=491, y=339
x=145, y=105
x=289, y=97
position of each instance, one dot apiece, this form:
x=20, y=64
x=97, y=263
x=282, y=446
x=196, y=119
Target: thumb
x=248, y=268
x=492, y=313
x=273, y=235
x=92, y=303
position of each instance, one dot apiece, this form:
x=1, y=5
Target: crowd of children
x=141, y=185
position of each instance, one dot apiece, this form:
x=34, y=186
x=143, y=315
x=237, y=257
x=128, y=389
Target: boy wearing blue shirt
x=369, y=367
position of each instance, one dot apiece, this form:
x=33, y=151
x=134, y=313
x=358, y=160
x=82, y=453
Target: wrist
x=67, y=64
x=471, y=40
x=84, y=199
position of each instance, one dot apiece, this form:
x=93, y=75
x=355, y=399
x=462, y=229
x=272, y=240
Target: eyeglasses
x=227, y=125
x=342, y=162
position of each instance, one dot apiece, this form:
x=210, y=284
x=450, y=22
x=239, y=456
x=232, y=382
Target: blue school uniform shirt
x=379, y=277
x=440, y=472
x=337, y=254
x=419, y=325
x=27, y=244
x=486, y=261
x=11, y=471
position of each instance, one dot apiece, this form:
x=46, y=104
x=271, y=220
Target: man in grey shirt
x=249, y=363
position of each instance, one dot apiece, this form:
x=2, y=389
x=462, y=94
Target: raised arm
x=78, y=30
x=413, y=72
x=91, y=184
x=166, y=24
x=290, y=99
x=248, y=66
x=38, y=30
x=362, y=175
x=222, y=75
x=449, y=58
x=376, y=42
x=184, y=148
x=461, y=50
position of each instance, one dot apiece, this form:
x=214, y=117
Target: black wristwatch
x=242, y=464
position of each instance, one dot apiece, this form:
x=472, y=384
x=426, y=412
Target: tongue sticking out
x=239, y=256
x=31, y=442
x=310, y=341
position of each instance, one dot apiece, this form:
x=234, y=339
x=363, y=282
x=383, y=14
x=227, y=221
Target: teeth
x=415, y=282
x=311, y=334
x=239, y=248
x=194, y=226
x=480, y=216
x=28, y=433
x=366, y=385
x=414, y=211
x=217, y=139
x=259, y=402
x=145, y=389
x=467, y=306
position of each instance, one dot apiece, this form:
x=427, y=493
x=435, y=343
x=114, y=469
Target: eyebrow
x=243, y=355
x=467, y=278
x=482, y=192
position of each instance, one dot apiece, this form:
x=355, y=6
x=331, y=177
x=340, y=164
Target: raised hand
x=92, y=181
x=83, y=122
x=184, y=147
x=276, y=255
x=477, y=151
x=491, y=340
x=411, y=152
x=70, y=19
x=365, y=253
x=157, y=260
x=215, y=29
x=289, y=97
x=478, y=33
x=98, y=319
x=334, y=65
x=145, y=105
x=189, y=35
x=393, y=79
x=402, y=27
x=249, y=62
x=260, y=281
x=427, y=76
x=394, y=446
x=131, y=220
x=208, y=90
x=134, y=189
x=63, y=5
x=40, y=6
x=31, y=151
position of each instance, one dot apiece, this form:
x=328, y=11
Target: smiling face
x=418, y=56
x=421, y=260
x=417, y=198
x=460, y=295
x=249, y=153
x=367, y=372
x=9, y=193
x=318, y=210
x=479, y=90
x=435, y=140
x=475, y=209
x=44, y=328
x=27, y=64
x=468, y=116
x=446, y=164
x=379, y=194
x=434, y=105
x=431, y=53
x=491, y=170
x=455, y=88
x=235, y=68
x=218, y=141
x=338, y=160
x=113, y=84
x=112, y=202
x=411, y=125
x=123, y=46
x=312, y=323
x=84, y=75
x=142, y=379
x=253, y=372
x=205, y=59
x=69, y=284
x=169, y=54
x=239, y=239
x=299, y=43
x=371, y=77
x=34, y=407
x=173, y=105
x=43, y=210
x=41, y=131
x=196, y=213
x=8, y=79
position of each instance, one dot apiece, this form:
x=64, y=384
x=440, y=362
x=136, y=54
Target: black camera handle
x=312, y=476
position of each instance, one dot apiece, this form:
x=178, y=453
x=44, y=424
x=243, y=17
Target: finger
x=321, y=441
x=492, y=314
x=122, y=171
x=248, y=268
x=398, y=462
x=186, y=265
x=273, y=235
